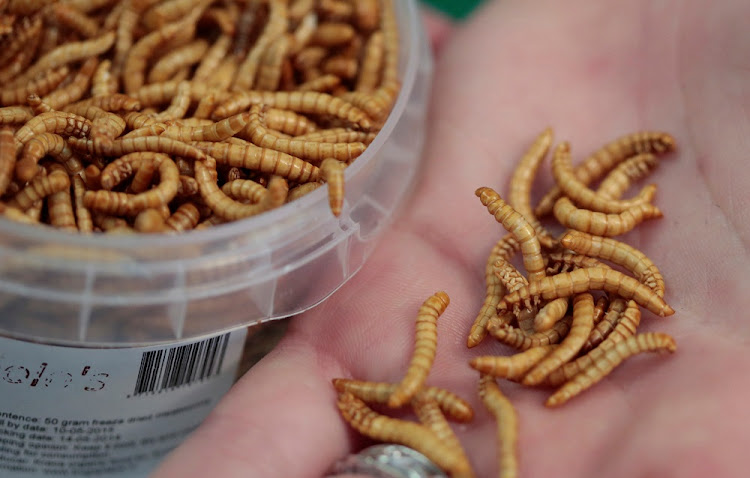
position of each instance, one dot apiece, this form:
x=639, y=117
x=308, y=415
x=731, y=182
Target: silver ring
x=388, y=461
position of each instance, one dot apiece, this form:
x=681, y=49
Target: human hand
x=592, y=71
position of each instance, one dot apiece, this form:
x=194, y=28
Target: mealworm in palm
x=512, y=367
x=602, y=224
x=507, y=425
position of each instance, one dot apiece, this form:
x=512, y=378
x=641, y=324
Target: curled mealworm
x=41, y=86
x=632, y=169
x=576, y=191
x=507, y=425
x=512, y=367
x=245, y=189
x=425, y=345
x=431, y=416
x=583, y=280
x=518, y=339
x=619, y=253
x=601, y=224
x=39, y=146
x=606, y=158
x=601, y=367
x=179, y=105
x=186, y=217
x=58, y=122
x=7, y=157
x=60, y=206
x=452, y=405
x=583, y=321
x=332, y=173
x=516, y=224
x=39, y=188
x=549, y=314
x=391, y=430
x=503, y=249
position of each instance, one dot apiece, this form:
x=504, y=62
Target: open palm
x=592, y=71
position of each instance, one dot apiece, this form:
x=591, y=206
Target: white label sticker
x=106, y=412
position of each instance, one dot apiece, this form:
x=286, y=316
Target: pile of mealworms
x=157, y=116
x=571, y=316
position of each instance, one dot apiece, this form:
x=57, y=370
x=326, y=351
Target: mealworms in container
x=512, y=367
x=601, y=224
x=648, y=342
x=39, y=146
x=332, y=173
x=425, y=345
x=507, y=425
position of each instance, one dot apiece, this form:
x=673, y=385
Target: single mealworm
x=583, y=321
x=452, y=405
x=606, y=158
x=186, y=217
x=516, y=224
x=602, y=304
x=333, y=34
x=114, y=103
x=155, y=129
x=518, y=339
x=503, y=249
x=368, y=78
x=39, y=146
x=565, y=261
x=301, y=190
x=310, y=102
x=619, y=253
x=39, y=188
x=58, y=122
x=60, y=205
x=229, y=209
x=7, y=158
x=74, y=90
x=103, y=82
x=600, y=368
x=265, y=160
x=549, y=314
x=583, y=280
x=179, y=105
x=391, y=430
x=214, y=132
x=512, y=367
x=276, y=25
x=172, y=62
x=40, y=86
x=624, y=174
x=507, y=425
x=431, y=416
x=519, y=195
x=102, y=122
x=327, y=83
x=339, y=135
x=153, y=144
x=289, y=122
x=75, y=20
x=602, y=224
x=245, y=189
x=212, y=58
x=579, y=193
x=149, y=221
x=269, y=70
x=425, y=345
x=332, y=173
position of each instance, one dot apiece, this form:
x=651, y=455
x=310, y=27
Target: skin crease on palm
x=592, y=71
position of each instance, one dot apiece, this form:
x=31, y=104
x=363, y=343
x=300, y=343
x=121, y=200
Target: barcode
x=165, y=369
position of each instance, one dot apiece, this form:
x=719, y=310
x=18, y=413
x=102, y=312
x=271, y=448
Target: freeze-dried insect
x=39, y=146
x=431, y=416
x=624, y=174
x=583, y=321
x=332, y=173
x=565, y=261
x=648, y=342
x=229, y=209
x=69, y=17
x=425, y=345
x=507, y=425
x=619, y=253
x=324, y=83
x=249, y=156
x=599, y=223
x=275, y=26
x=245, y=189
x=503, y=249
x=60, y=206
x=58, y=122
x=186, y=217
x=40, y=86
x=180, y=57
x=578, y=192
x=517, y=338
x=516, y=224
x=452, y=405
x=512, y=367
x=610, y=155
x=213, y=132
x=391, y=430
x=549, y=314
x=583, y=280
x=39, y=188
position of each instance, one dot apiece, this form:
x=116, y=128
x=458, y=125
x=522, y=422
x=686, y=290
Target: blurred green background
x=455, y=8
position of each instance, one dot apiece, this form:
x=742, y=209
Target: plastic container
x=110, y=291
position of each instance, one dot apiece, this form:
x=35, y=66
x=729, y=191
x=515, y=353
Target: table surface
x=455, y=8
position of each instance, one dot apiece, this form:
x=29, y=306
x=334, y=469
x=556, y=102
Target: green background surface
x=454, y=8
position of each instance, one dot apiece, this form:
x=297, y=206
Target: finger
x=438, y=27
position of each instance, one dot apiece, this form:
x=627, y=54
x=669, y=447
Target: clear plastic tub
x=97, y=291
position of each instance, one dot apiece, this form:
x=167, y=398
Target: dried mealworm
x=507, y=425
x=549, y=314
x=576, y=191
x=565, y=261
x=583, y=321
x=516, y=224
x=503, y=249
x=103, y=82
x=172, y=62
x=275, y=26
x=149, y=221
x=39, y=188
x=179, y=105
x=40, y=86
x=214, y=132
x=186, y=217
x=311, y=102
x=289, y=122
x=269, y=70
x=301, y=190
x=75, y=20
x=583, y=280
x=512, y=367
x=83, y=216
x=7, y=158
x=649, y=342
x=332, y=173
x=265, y=160
x=619, y=253
x=620, y=178
x=245, y=189
x=225, y=207
x=599, y=223
x=391, y=430
x=609, y=156
x=58, y=122
x=39, y=146
x=60, y=206
x=372, y=63
x=68, y=53
x=431, y=416
x=425, y=345
x=518, y=339
x=325, y=83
